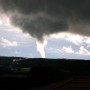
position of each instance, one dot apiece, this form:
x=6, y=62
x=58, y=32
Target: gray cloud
x=44, y=17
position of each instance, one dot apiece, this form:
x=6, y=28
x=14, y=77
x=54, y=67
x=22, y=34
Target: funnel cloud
x=41, y=18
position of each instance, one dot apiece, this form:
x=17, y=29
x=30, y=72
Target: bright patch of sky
x=13, y=42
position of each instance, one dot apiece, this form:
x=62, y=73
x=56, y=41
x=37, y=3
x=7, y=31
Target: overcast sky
x=45, y=28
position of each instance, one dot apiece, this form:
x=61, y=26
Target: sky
x=45, y=28
x=13, y=42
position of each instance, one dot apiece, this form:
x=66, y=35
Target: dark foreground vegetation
x=17, y=73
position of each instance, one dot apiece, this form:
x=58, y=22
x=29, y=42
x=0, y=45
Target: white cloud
x=5, y=21
x=0, y=22
x=87, y=40
x=55, y=50
x=83, y=51
x=88, y=46
x=73, y=38
x=7, y=43
x=76, y=39
x=58, y=35
x=68, y=49
x=13, y=29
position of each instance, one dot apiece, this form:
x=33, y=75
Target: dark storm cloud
x=44, y=17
